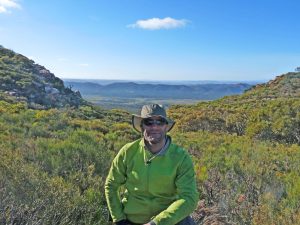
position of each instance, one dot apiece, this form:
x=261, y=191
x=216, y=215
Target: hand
x=150, y=223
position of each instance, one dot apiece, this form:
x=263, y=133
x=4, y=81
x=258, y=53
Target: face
x=154, y=130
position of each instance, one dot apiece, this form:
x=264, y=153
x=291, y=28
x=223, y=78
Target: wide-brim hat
x=149, y=111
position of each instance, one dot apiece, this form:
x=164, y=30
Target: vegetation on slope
x=246, y=151
x=267, y=112
x=53, y=161
x=283, y=86
x=23, y=80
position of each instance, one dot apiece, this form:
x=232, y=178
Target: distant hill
x=269, y=111
x=21, y=79
x=170, y=82
x=283, y=86
x=163, y=91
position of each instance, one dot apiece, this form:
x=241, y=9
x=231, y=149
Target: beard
x=154, y=137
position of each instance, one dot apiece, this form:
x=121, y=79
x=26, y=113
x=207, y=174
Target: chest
x=157, y=177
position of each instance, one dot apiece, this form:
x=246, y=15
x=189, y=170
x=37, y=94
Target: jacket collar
x=164, y=148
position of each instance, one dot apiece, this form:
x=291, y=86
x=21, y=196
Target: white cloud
x=5, y=5
x=157, y=23
x=2, y=9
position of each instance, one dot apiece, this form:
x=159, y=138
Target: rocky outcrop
x=21, y=78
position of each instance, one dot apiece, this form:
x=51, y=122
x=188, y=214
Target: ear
x=166, y=128
x=142, y=127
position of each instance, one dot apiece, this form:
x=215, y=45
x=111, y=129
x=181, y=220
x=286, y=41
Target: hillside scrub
x=275, y=120
x=249, y=180
x=56, y=149
x=54, y=162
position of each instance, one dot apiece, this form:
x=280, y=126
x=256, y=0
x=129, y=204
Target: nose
x=154, y=126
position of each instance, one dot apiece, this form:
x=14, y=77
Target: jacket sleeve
x=187, y=196
x=115, y=179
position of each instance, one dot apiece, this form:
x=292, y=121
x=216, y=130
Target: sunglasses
x=151, y=122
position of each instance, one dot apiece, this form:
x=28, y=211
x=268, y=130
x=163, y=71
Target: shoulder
x=179, y=153
x=178, y=150
x=127, y=151
x=130, y=148
x=184, y=159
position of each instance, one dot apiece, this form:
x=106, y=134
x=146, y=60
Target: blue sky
x=156, y=39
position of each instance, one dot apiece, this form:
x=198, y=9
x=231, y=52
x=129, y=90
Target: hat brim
x=137, y=121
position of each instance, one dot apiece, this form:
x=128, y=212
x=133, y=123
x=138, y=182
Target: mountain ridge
x=285, y=85
x=178, y=91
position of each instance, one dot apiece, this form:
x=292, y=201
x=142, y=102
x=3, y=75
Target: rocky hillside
x=283, y=86
x=269, y=111
x=21, y=79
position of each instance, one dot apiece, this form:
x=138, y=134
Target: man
x=157, y=176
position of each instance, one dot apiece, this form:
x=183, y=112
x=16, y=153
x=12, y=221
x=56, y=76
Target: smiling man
x=157, y=175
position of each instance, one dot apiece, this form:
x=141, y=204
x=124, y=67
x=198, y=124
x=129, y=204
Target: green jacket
x=163, y=190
